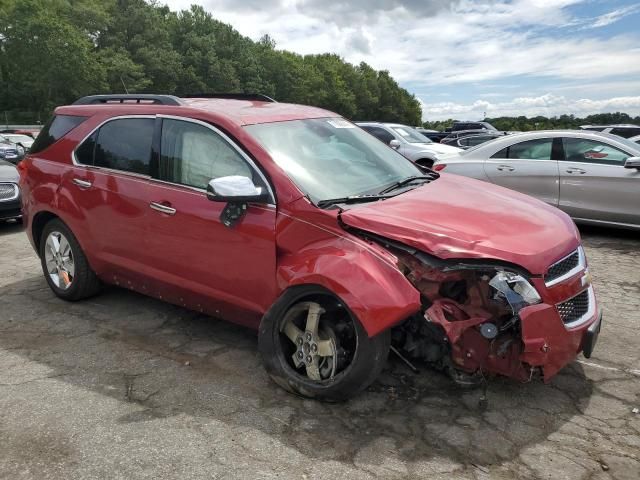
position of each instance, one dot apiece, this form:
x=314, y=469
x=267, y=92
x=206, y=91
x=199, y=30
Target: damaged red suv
x=292, y=221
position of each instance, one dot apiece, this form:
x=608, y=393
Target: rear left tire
x=64, y=264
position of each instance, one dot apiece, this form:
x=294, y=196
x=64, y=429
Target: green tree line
x=55, y=51
x=525, y=124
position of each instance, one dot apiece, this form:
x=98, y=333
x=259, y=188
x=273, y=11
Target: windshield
x=410, y=135
x=633, y=146
x=331, y=157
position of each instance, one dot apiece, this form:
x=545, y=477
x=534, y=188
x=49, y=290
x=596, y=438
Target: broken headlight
x=515, y=289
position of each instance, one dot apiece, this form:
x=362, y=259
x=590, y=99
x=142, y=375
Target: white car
x=408, y=142
x=25, y=141
x=635, y=139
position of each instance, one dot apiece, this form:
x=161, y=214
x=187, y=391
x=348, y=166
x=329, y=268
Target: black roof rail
x=129, y=98
x=258, y=97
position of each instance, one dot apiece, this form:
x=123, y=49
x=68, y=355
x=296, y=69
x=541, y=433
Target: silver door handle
x=576, y=170
x=162, y=208
x=508, y=168
x=82, y=183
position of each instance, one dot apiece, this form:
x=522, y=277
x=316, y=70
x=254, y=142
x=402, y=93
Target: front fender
x=370, y=284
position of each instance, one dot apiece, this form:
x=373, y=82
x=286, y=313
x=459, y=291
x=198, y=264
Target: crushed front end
x=483, y=318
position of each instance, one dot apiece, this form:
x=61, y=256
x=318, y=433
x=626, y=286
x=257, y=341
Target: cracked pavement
x=124, y=386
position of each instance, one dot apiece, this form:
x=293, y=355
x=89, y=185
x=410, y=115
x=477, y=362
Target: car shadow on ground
x=10, y=227
x=164, y=361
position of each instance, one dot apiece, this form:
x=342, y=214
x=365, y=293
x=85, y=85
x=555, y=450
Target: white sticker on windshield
x=340, y=123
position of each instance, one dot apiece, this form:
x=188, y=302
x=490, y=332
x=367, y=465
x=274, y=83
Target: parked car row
x=292, y=221
x=10, y=204
x=593, y=176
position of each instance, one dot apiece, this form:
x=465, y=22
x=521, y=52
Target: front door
x=200, y=263
x=529, y=167
x=594, y=184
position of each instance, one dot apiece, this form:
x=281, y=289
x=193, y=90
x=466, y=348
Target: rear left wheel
x=65, y=265
x=313, y=346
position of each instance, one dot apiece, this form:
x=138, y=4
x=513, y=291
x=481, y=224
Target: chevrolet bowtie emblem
x=586, y=279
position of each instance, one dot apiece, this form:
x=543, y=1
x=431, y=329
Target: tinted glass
x=626, y=132
x=125, y=145
x=501, y=154
x=84, y=153
x=56, y=128
x=193, y=155
x=590, y=151
x=330, y=157
x=477, y=140
x=532, y=150
x=380, y=133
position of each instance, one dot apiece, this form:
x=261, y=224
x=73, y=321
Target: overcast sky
x=463, y=58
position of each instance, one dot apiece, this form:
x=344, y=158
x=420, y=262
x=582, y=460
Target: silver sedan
x=593, y=176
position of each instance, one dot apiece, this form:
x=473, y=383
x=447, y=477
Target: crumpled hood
x=458, y=217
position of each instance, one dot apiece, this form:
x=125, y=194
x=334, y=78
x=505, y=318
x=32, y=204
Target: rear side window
x=56, y=128
x=123, y=144
x=626, y=132
x=532, y=150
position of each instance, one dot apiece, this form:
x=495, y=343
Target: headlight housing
x=516, y=289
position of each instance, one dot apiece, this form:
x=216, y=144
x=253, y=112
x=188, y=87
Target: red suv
x=292, y=221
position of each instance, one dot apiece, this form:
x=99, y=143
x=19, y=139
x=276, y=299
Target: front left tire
x=312, y=345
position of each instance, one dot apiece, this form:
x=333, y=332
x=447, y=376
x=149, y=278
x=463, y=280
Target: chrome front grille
x=565, y=268
x=577, y=309
x=8, y=192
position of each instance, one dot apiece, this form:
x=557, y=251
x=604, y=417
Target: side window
x=125, y=144
x=193, y=155
x=504, y=153
x=85, y=152
x=532, y=150
x=380, y=133
x=56, y=128
x=591, y=151
x=626, y=132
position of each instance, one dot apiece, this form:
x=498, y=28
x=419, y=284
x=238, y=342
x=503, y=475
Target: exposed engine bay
x=469, y=326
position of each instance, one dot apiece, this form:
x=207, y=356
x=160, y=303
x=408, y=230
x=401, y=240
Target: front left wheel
x=313, y=346
x=65, y=265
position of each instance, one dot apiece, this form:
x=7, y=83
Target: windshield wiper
x=407, y=181
x=350, y=199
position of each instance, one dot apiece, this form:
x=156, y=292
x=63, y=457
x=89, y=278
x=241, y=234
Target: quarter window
x=123, y=144
x=193, y=155
x=56, y=128
x=591, y=151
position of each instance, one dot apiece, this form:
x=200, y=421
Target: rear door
x=198, y=261
x=529, y=167
x=595, y=185
x=109, y=186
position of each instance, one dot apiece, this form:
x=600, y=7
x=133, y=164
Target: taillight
x=439, y=166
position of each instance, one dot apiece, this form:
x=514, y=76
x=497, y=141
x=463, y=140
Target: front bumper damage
x=484, y=330
x=544, y=344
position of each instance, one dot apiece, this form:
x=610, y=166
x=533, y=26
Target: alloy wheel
x=59, y=260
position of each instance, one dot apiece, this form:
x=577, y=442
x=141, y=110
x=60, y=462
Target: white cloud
x=436, y=44
x=548, y=105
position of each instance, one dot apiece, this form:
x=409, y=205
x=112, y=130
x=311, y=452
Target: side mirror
x=395, y=144
x=234, y=189
x=632, y=162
